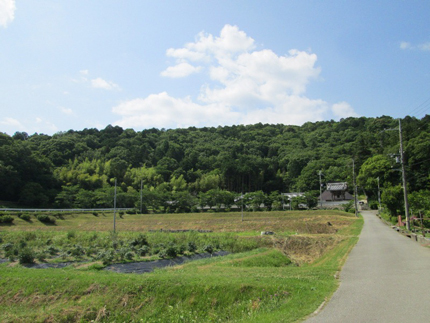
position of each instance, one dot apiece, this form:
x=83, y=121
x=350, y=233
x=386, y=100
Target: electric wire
x=421, y=109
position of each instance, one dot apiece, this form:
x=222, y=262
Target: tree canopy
x=214, y=164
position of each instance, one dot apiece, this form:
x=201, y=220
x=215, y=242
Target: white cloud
x=405, y=45
x=100, y=83
x=161, y=110
x=244, y=85
x=67, y=111
x=343, y=110
x=43, y=125
x=180, y=70
x=38, y=125
x=7, y=12
x=422, y=47
x=11, y=122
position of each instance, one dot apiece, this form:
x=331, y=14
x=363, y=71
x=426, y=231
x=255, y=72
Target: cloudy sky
x=168, y=64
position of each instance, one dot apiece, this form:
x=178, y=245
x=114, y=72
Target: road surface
x=386, y=278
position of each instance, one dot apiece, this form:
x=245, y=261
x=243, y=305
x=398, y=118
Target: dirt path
x=385, y=279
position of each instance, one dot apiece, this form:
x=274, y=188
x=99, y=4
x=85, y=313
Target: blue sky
x=168, y=64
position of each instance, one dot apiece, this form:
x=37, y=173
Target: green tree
x=392, y=198
x=33, y=195
x=254, y=199
x=378, y=166
x=67, y=196
x=419, y=201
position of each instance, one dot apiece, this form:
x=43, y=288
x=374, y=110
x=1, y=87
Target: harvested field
x=278, y=221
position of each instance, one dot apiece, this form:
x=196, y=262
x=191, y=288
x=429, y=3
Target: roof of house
x=339, y=186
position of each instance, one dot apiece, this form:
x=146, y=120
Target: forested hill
x=79, y=168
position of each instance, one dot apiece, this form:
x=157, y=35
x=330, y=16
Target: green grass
x=260, y=284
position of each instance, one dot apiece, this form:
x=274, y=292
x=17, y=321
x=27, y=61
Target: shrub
x=145, y=250
x=71, y=235
x=157, y=248
x=129, y=255
x=349, y=206
x=11, y=253
x=182, y=249
x=77, y=251
x=122, y=252
x=6, y=219
x=191, y=246
x=208, y=248
x=374, y=205
x=51, y=250
x=170, y=251
x=44, y=218
x=107, y=259
x=24, y=216
x=7, y=246
x=26, y=256
x=139, y=241
x=22, y=243
x=89, y=251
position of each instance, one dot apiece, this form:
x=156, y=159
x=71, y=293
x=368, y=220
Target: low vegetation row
x=113, y=247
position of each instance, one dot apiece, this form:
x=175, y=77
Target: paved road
x=385, y=279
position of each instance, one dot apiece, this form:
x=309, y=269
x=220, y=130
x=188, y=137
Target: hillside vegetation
x=180, y=170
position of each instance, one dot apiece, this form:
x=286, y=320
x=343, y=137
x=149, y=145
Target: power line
x=421, y=108
x=423, y=161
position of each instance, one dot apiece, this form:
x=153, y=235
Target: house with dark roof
x=336, y=192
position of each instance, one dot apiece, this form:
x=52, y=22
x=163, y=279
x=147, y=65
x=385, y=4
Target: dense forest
x=179, y=169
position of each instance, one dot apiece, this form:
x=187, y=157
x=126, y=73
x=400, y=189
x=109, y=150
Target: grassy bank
x=271, y=281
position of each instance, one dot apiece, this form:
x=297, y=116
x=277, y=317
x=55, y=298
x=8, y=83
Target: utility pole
x=405, y=189
x=114, y=209
x=320, y=173
x=402, y=162
x=242, y=205
x=379, y=195
x=355, y=187
x=141, y=198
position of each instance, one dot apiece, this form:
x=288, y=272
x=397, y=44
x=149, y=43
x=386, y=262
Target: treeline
x=180, y=168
